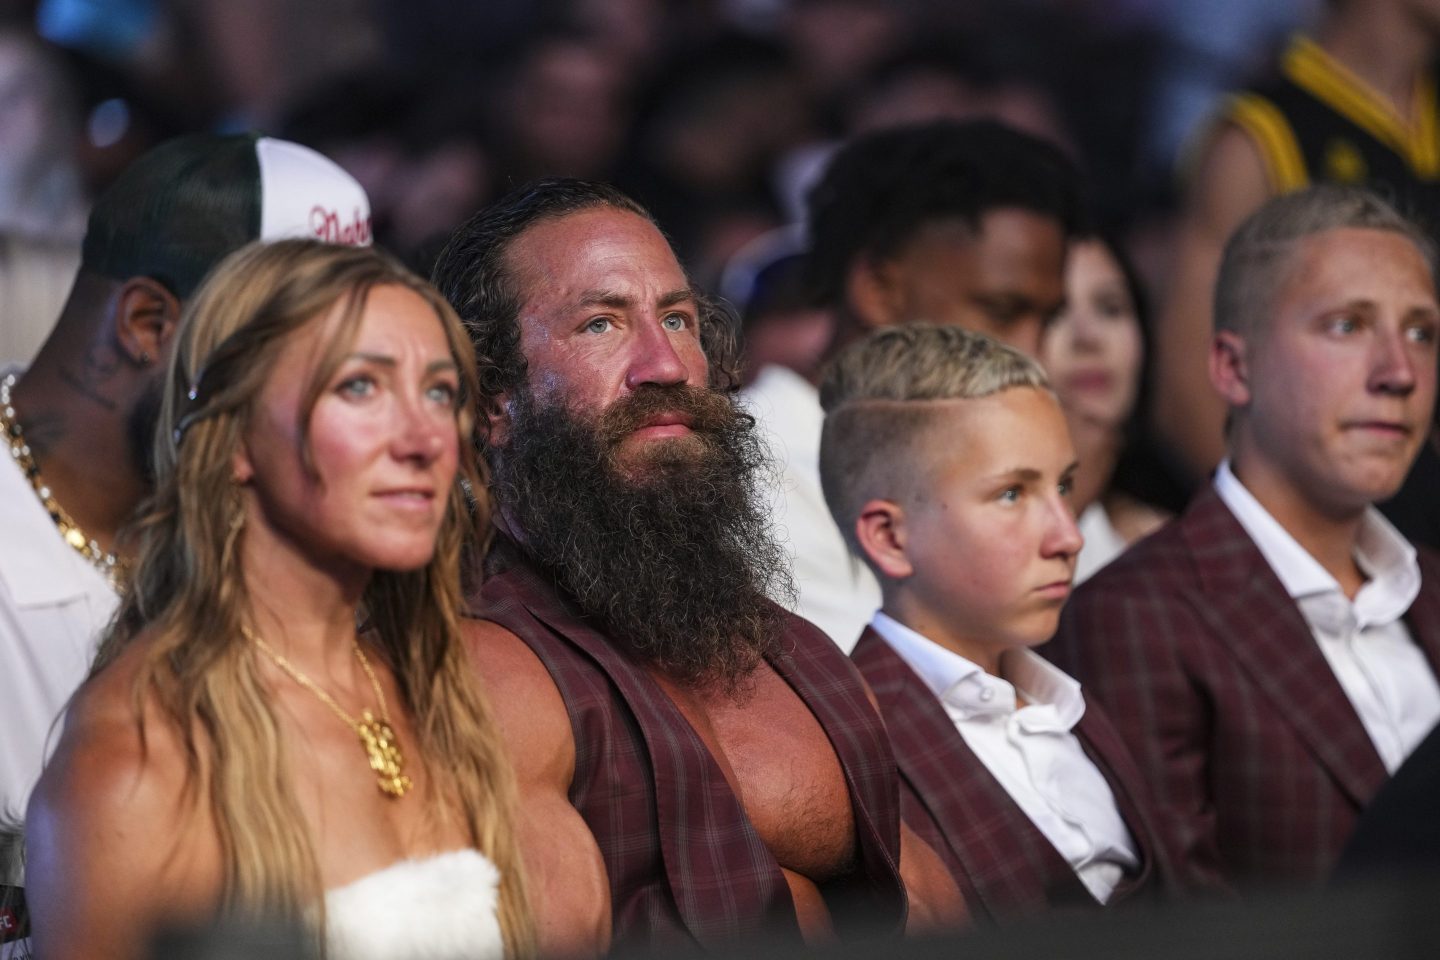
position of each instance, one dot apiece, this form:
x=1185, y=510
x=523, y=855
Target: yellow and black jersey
x=1316, y=121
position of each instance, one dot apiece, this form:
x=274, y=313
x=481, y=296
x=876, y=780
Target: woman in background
x=281, y=723
x=1094, y=354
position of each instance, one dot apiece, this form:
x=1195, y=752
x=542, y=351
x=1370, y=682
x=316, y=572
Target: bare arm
x=568, y=886
x=115, y=847
x=1231, y=182
x=936, y=904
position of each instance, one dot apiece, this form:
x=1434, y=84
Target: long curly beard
x=668, y=547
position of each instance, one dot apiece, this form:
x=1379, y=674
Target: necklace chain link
x=376, y=734
x=103, y=560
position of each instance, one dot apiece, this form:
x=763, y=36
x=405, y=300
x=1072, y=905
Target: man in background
x=960, y=223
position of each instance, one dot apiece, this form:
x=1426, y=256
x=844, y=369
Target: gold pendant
x=385, y=759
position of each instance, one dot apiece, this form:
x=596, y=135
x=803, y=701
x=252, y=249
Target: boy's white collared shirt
x=1382, y=670
x=1030, y=750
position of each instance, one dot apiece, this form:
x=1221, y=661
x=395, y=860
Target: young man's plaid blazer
x=1215, y=681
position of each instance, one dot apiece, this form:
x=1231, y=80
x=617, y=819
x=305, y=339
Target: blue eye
x=1066, y=487
x=1344, y=325
x=1010, y=495
x=1421, y=333
x=360, y=386
x=675, y=322
x=598, y=325
x=444, y=394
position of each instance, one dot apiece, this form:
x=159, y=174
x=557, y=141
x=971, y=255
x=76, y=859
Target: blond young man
x=947, y=463
x=1272, y=655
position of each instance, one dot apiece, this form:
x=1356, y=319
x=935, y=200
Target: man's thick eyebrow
x=609, y=298
x=677, y=297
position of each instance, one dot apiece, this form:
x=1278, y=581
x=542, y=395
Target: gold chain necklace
x=376, y=735
x=106, y=562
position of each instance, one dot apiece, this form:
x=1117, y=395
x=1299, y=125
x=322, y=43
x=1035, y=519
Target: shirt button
x=987, y=695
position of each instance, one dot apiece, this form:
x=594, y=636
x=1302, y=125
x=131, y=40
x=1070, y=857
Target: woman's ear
x=880, y=530
x=242, y=471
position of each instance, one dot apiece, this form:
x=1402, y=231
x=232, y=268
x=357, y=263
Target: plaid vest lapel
x=726, y=884
x=830, y=686
x=1247, y=609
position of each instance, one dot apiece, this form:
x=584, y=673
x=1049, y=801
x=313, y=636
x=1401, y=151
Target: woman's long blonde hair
x=187, y=594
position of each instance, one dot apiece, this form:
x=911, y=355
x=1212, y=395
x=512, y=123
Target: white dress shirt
x=835, y=591
x=1382, y=670
x=1030, y=750
x=1103, y=542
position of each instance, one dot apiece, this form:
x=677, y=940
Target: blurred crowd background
x=717, y=114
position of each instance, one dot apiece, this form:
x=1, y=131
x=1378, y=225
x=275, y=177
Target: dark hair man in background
x=949, y=223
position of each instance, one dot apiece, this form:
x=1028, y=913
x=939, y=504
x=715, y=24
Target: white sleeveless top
x=437, y=908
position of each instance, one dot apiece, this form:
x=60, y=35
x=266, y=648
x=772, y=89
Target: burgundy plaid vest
x=686, y=867
x=1006, y=868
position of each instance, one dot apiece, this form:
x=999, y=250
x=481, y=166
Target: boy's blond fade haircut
x=879, y=395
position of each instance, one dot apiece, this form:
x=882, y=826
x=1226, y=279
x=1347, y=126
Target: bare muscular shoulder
x=569, y=889
x=115, y=842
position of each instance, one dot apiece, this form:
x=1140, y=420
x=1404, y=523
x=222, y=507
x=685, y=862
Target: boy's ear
x=880, y=530
x=1230, y=367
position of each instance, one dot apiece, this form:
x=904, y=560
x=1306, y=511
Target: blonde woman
x=281, y=722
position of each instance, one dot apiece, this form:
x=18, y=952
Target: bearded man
x=695, y=765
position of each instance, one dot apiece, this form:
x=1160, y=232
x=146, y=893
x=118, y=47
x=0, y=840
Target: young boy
x=946, y=461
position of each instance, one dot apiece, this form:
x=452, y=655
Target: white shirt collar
x=1381, y=552
x=1053, y=699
